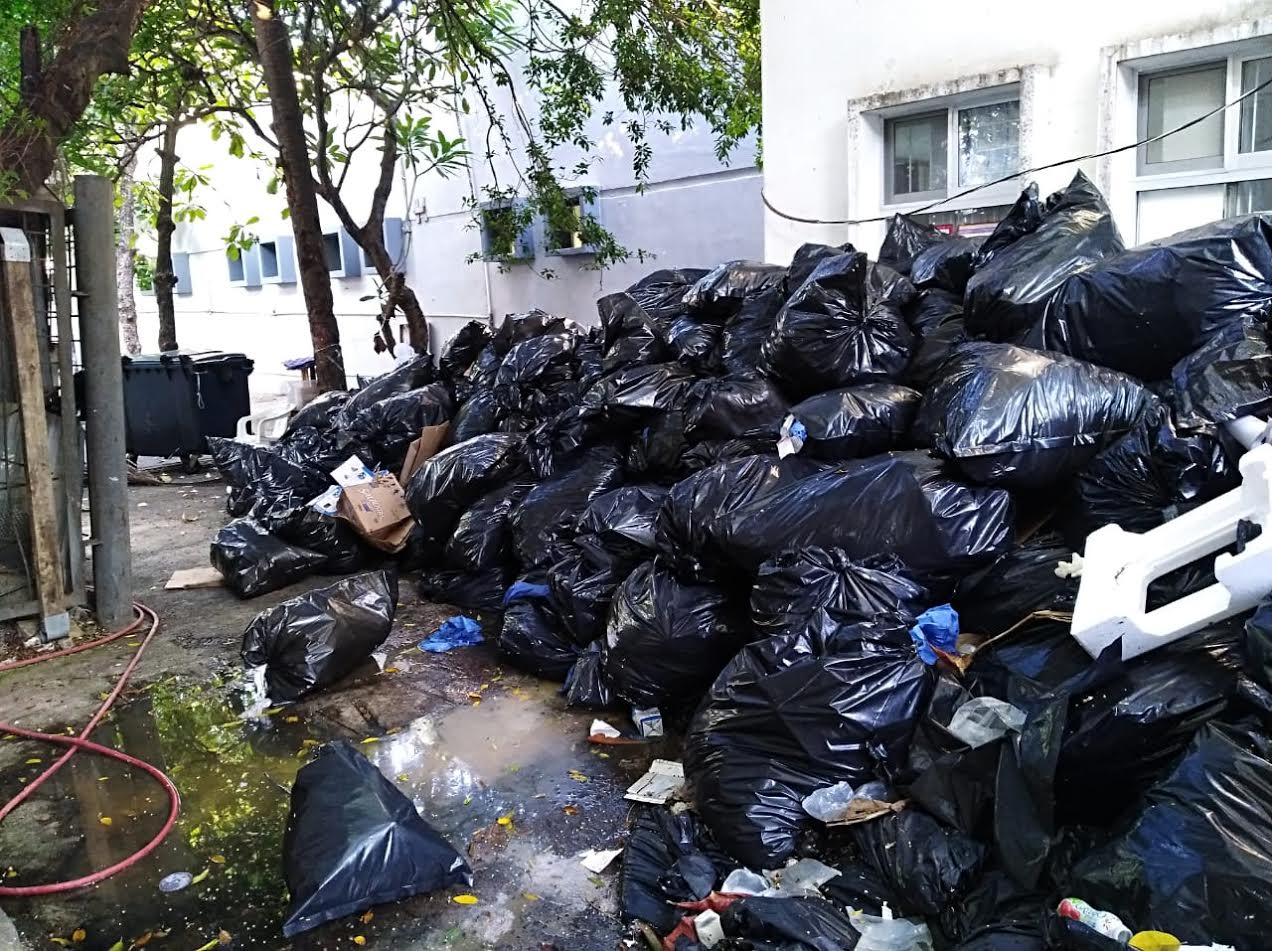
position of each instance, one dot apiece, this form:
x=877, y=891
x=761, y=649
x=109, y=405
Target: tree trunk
x=126, y=259
x=275, y=51
x=398, y=294
x=52, y=102
x=165, y=276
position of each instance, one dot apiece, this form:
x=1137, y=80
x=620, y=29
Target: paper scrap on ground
x=328, y=502
x=353, y=471
x=598, y=860
x=664, y=779
x=601, y=728
x=184, y=579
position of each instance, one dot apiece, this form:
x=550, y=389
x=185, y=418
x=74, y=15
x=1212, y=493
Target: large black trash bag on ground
x=534, y=639
x=906, y=240
x=538, y=363
x=517, y=328
x=654, y=450
x=482, y=538
x=661, y=294
x=631, y=337
x=905, y=504
x=586, y=685
x=471, y=590
x=318, y=451
x=733, y=408
x=1230, y=376
x=686, y=526
x=547, y=514
x=254, y=562
x=582, y=582
x=1023, y=218
x=265, y=477
x=746, y=331
x=666, y=640
x=1149, y=307
x=666, y=859
x=695, y=342
x=946, y=266
x=793, y=589
x=447, y=484
x=792, y=714
x=937, y=319
x=1015, y=585
x=623, y=519
x=634, y=395
x=805, y=260
x=1147, y=477
x=333, y=537
x=926, y=864
x=314, y=640
x=320, y=412
x=931, y=308
x=789, y=924
x=997, y=915
x=1195, y=861
x=720, y=291
x=857, y=421
x=409, y=376
x=478, y=415
x=1007, y=297
x=463, y=349
x=388, y=428
x=354, y=841
x=1023, y=418
x=708, y=453
x=842, y=327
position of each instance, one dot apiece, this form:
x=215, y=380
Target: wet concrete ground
x=468, y=740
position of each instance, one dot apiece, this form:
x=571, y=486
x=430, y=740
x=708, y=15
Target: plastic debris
x=598, y=860
x=459, y=631
x=664, y=779
x=935, y=628
x=984, y=719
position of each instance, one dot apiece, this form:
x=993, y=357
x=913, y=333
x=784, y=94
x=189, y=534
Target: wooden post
x=17, y=304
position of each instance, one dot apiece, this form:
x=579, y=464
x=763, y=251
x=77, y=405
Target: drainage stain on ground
x=501, y=776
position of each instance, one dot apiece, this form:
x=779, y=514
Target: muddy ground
x=466, y=738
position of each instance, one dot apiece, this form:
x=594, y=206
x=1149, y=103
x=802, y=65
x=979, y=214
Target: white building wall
x=828, y=64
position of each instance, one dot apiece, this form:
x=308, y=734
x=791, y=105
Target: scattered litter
x=648, y=722
x=184, y=579
x=664, y=779
x=353, y=471
x=175, y=882
x=984, y=719
x=1101, y=922
x=603, y=730
x=801, y=879
x=708, y=928
x=598, y=860
x=459, y=631
x=742, y=881
x=936, y=628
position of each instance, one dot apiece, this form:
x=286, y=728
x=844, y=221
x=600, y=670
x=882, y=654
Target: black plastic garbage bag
x=709, y=452
x=857, y=421
x=265, y=476
x=904, y=504
x=1023, y=418
x=792, y=714
x=318, y=451
x=631, y=396
x=583, y=581
x=842, y=327
x=906, y=240
x=1147, y=477
x=478, y=415
x=1013, y=586
x=254, y=562
x=1146, y=309
x=471, y=590
x=623, y=519
x=666, y=640
x=1195, y=862
x=540, y=362
x=927, y=865
x=314, y=640
x=409, y=376
x=947, y=265
x=463, y=349
x=533, y=638
x=1023, y=218
x=734, y=408
x=997, y=915
x=746, y=332
x=631, y=337
x=666, y=859
x=353, y=841
x=320, y=412
x=586, y=685
x=805, y=260
x=661, y=294
x=548, y=514
x=1230, y=376
x=931, y=308
x=1008, y=296
x=388, y=428
x=654, y=450
x=695, y=341
x=333, y=537
x=793, y=589
x=936, y=317
x=721, y=291
x=482, y=538
x=516, y=328
x=789, y=924
x=444, y=486
x=687, y=524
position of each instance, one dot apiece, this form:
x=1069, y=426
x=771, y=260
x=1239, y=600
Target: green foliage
x=144, y=270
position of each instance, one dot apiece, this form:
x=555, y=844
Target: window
x=568, y=239
x=1256, y=112
x=932, y=153
x=1245, y=198
x=237, y=267
x=501, y=239
x=269, y=260
x=331, y=251
x=967, y=223
x=1170, y=99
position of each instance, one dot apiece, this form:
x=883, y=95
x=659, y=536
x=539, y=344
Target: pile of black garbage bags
x=740, y=499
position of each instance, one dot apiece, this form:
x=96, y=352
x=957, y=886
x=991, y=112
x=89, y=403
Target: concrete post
x=103, y=398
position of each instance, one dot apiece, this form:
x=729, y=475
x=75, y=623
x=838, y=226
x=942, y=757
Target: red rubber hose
x=81, y=742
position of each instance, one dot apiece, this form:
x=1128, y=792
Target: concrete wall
x=829, y=63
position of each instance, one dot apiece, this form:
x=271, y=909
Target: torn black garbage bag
x=734, y=408
x=463, y=349
x=1195, y=861
x=666, y=640
x=794, y=588
x=792, y=714
x=789, y=924
x=534, y=639
x=315, y=639
x=548, y=514
x=1230, y=376
x=907, y=239
x=409, y=376
x=947, y=265
x=354, y=841
x=1149, y=307
x=842, y=327
x=660, y=849
x=1023, y=418
x=746, y=332
x=1008, y=296
x=447, y=484
x=857, y=421
x=254, y=562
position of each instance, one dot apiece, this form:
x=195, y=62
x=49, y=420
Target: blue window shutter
x=286, y=245
x=252, y=266
x=352, y=254
x=394, y=242
x=181, y=268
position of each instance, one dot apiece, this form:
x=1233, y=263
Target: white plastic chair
x=266, y=425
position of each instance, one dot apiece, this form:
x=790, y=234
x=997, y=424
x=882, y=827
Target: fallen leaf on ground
x=570, y=810
x=34, y=760
x=63, y=942
x=366, y=917
x=201, y=876
x=505, y=820
x=579, y=777
x=465, y=899
x=79, y=935
x=371, y=739
x=218, y=859
x=359, y=940
x=402, y=777
x=105, y=820
x=530, y=896
x=209, y=946
x=118, y=945
x=476, y=697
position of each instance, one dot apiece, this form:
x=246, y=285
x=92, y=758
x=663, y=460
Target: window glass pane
x=1176, y=98
x=235, y=265
x=988, y=142
x=1256, y=112
x=967, y=223
x=269, y=259
x=1244, y=198
x=918, y=152
x=331, y=250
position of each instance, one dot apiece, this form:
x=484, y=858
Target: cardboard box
x=378, y=512
x=423, y=449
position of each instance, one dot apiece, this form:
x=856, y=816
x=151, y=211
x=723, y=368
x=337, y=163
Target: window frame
x=1204, y=163
x=277, y=276
x=1004, y=193
x=587, y=209
x=523, y=244
x=241, y=260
